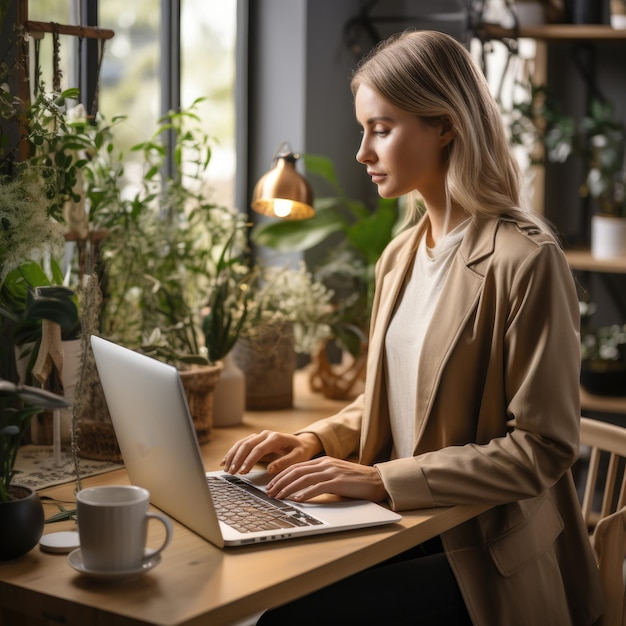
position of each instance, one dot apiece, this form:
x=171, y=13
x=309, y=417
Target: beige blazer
x=498, y=391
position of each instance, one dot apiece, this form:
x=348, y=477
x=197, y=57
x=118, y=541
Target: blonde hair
x=431, y=75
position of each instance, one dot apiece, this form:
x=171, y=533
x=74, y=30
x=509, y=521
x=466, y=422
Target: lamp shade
x=283, y=192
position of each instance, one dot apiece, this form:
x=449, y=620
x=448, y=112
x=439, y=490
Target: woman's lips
x=376, y=177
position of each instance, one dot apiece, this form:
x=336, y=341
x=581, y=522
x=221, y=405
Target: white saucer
x=75, y=559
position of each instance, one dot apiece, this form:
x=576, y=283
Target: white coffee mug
x=113, y=525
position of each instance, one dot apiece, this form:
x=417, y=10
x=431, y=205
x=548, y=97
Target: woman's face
x=401, y=152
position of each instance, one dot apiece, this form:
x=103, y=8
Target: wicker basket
x=268, y=361
x=97, y=441
x=199, y=383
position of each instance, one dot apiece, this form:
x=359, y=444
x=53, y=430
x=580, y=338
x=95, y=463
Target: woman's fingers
x=247, y=452
x=264, y=446
x=304, y=481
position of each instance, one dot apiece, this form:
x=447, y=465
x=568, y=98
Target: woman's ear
x=447, y=132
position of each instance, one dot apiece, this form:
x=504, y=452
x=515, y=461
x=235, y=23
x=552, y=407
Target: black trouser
x=415, y=587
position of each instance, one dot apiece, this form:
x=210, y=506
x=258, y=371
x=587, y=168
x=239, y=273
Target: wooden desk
x=196, y=583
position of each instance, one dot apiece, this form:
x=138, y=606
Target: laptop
x=157, y=439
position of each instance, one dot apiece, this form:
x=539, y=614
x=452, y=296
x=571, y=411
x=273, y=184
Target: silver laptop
x=157, y=440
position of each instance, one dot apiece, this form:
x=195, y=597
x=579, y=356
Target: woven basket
x=97, y=441
x=199, y=383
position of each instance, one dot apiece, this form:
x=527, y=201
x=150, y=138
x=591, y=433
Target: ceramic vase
x=608, y=236
x=229, y=397
x=618, y=14
x=530, y=13
x=21, y=523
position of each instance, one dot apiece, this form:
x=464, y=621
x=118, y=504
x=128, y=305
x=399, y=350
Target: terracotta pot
x=199, y=384
x=21, y=522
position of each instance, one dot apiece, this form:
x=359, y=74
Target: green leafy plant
x=33, y=191
x=28, y=296
x=348, y=268
x=538, y=124
x=605, y=153
x=18, y=403
x=168, y=249
x=287, y=295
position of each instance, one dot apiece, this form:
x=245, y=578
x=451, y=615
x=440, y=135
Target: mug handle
x=150, y=554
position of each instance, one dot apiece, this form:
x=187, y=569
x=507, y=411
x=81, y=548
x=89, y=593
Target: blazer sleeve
x=340, y=434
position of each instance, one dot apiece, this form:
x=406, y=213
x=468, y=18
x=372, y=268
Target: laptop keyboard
x=248, y=509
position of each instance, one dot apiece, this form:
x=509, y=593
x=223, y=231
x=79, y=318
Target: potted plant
x=166, y=250
x=289, y=313
x=603, y=355
x=21, y=512
x=38, y=174
x=359, y=236
x=603, y=368
x=606, y=179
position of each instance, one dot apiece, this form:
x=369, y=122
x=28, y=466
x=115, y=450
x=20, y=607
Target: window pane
x=129, y=78
x=42, y=60
x=208, y=33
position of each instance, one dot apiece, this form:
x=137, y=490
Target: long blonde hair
x=431, y=75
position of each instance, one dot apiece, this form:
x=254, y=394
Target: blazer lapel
x=456, y=303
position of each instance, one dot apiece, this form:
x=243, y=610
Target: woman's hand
x=309, y=479
x=278, y=449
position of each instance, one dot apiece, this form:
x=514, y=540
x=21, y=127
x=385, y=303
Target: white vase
x=530, y=13
x=608, y=236
x=618, y=14
x=229, y=397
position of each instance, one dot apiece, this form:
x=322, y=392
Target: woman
x=472, y=377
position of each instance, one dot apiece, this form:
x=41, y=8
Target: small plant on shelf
x=603, y=355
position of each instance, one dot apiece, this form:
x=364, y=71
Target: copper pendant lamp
x=283, y=192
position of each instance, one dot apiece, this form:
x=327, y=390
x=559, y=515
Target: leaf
x=324, y=167
x=52, y=303
x=301, y=235
x=371, y=234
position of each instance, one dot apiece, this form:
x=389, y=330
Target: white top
x=406, y=332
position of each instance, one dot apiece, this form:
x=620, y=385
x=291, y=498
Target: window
x=130, y=78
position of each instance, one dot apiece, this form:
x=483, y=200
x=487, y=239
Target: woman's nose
x=363, y=155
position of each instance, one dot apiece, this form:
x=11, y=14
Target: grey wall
x=299, y=78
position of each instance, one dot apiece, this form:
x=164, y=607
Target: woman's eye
x=381, y=132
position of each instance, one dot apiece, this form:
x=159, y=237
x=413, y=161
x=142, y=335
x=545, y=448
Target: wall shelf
x=578, y=259
x=603, y=404
x=554, y=32
x=583, y=261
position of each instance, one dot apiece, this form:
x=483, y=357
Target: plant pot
x=608, y=236
x=199, y=383
x=618, y=14
x=21, y=522
x=530, y=13
x=268, y=361
x=587, y=11
x=229, y=397
x=604, y=378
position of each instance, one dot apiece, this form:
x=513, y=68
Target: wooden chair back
x=604, y=440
